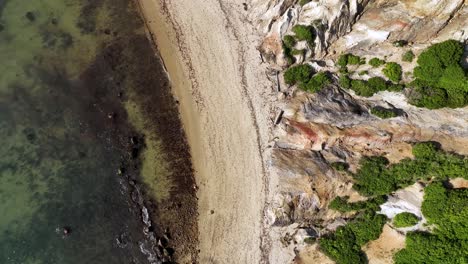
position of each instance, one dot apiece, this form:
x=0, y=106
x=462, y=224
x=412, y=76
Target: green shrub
x=344, y=81
x=306, y=33
x=370, y=87
x=289, y=41
x=393, y=71
x=375, y=177
x=298, y=74
x=341, y=204
x=405, y=220
x=408, y=56
x=316, y=83
x=425, y=150
x=354, y=60
x=342, y=60
x=431, y=98
x=344, y=245
x=363, y=72
x=340, y=166
x=376, y=62
x=310, y=240
x=383, y=112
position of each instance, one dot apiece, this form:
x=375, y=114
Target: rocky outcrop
x=335, y=125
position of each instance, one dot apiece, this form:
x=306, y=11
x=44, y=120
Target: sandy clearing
x=209, y=51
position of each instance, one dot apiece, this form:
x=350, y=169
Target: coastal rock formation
x=334, y=125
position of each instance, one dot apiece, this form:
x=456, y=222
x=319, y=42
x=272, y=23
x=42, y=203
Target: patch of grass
x=405, y=219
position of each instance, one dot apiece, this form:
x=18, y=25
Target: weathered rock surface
x=335, y=125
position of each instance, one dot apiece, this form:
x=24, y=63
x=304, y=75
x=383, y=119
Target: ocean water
x=69, y=155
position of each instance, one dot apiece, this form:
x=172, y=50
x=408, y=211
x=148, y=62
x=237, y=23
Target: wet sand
x=217, y=78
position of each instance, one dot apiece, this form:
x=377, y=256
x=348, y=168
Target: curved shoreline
x=219, y=118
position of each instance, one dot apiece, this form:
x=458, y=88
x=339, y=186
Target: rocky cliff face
x=334, y=125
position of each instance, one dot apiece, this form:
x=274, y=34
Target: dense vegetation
x=377, y=177
x=447, y=210
x=344, y=245
x=298, y=74
x=393, y=71
x=316, y=83
x=405, y=219
x=383, y=112
x=341, y=204
x=371, y=86
x=440, y=79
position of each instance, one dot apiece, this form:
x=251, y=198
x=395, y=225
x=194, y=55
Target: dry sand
x=209, y=50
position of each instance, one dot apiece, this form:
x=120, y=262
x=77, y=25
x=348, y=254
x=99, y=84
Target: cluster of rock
x=333, y=125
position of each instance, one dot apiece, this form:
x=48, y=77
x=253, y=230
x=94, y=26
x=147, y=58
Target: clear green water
x=58, y=150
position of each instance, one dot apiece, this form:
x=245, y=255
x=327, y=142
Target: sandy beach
x=209, y=51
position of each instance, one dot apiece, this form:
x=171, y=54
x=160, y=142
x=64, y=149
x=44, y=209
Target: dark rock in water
x=30, y=16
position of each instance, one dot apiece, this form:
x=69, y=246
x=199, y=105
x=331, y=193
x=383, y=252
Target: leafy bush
x=341, y=204
x=303, y=2
x=393, y=71
x=440, y=74
x=306, y=33
x=405, y=220
x=350, y=59
x=376, y=62
x=355, y=60
x=375, y=177
x=383, y=112
x=408, y=56
x=344, y=246
x=363, y=72
x=340, y=166
x=316, y=83
x=400, y=43
x=289, y=41
x=370, y=87
x=344, y=81
x=298, y=74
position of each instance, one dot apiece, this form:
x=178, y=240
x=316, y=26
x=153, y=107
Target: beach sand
x=209, y=51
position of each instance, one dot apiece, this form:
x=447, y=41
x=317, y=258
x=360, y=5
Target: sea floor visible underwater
x=71, y=136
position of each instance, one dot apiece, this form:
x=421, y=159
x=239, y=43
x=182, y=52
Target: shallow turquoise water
x=63, y=134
